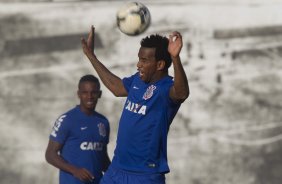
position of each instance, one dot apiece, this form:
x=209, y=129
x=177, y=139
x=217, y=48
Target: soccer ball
x=133, y=18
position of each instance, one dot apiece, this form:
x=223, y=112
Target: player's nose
x=138, y=64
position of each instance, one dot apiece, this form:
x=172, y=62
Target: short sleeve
x=108, y=132
x=127, y=82
x=166, y=91
x=60, y=129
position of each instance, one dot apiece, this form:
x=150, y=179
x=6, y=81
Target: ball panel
x=133, y=18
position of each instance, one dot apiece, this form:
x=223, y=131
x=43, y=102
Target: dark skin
x=150, y=70
x=88, y=93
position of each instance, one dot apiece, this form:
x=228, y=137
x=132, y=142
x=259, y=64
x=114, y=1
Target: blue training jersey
x=143, y=127
x=84, y=139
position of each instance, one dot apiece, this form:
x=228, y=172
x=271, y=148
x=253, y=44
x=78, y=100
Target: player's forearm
x=181, y=87
x=58, y=162
x=106, y=163
x=111, y=81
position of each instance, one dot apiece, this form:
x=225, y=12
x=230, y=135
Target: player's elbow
x=180, y=95
x=49, y=156
x=118, y=94
x=183, y=95
x=119, y=91
x=187, y=94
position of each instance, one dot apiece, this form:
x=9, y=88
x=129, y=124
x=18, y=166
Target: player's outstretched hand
x=83, y=175
x=88, y=46
x=175, y=44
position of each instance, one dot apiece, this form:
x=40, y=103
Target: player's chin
x=90, y=105
x=143, y=78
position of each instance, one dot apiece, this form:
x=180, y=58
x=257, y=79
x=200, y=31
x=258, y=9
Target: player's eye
x=142, y=60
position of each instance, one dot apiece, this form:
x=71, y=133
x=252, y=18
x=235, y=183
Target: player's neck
x=158, y=76
x=87, y=111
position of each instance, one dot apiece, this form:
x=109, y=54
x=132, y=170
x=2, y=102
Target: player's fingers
x=83, y=176
x=85, y=48
x=176, y=34
x=83, y=42
x=90, y=37
x=86, y=178
x=93, y=36
x=88, y=175
x=170, y=38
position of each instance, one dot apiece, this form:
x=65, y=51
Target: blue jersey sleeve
x=60, y=129
x=107, y=131
x=127, y=82
x=166, y=91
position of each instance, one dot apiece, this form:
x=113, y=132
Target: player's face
x=88, y=94
x=147, y=64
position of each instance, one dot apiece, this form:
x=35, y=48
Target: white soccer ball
x=133, y=18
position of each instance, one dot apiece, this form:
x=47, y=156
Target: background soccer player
x=153, y=99
x=78, y=141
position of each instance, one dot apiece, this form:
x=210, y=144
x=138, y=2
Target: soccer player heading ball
x=153, y=99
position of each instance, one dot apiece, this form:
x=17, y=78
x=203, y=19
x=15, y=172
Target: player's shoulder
x=101, y=116
x=165, y=83
x=68, y=115
x=168, y=80
x=133, y=78
x=71, y=112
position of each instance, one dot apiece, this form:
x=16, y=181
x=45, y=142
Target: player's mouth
x=141, y=74
x=90, y=103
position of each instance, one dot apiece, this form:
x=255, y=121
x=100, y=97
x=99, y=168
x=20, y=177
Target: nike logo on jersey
x=135, y=87
x=83, y=128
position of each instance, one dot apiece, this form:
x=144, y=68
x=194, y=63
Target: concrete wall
x=229, y=131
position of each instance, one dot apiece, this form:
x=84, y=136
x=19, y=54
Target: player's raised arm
x=111, y=81
x=179, y=92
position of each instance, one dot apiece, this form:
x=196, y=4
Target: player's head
x=154, y=58
x=88, y=92
x=160, y=43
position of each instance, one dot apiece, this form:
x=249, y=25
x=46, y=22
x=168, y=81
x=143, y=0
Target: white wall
x=226, y=132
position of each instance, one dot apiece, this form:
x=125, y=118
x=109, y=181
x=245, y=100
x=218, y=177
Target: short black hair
x=161, y=44
x=89, y=78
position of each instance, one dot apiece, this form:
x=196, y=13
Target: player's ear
x=78, y=95
x=160, y=65
x=100, y=94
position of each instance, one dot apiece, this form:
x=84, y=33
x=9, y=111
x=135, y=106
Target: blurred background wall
x=229, y=131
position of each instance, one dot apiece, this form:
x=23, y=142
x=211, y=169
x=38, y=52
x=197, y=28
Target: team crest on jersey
x=102, y=129
x=149, y=92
